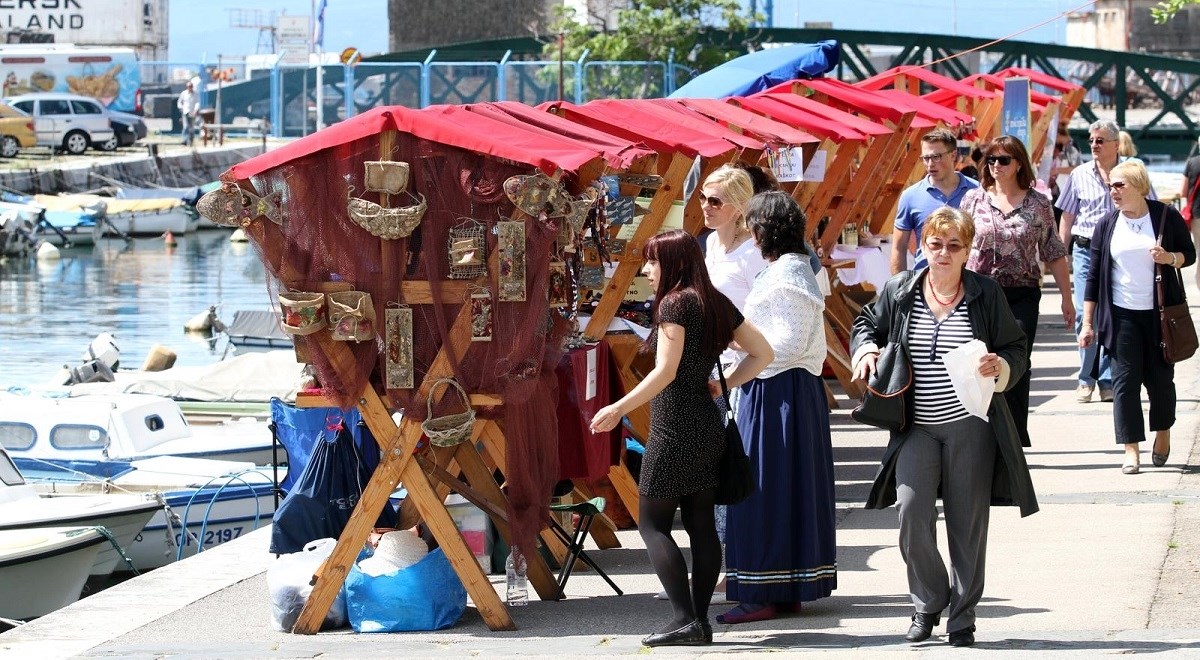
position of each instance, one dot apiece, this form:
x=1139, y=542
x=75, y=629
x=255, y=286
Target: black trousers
x=1023, y=301
x=1138, y=361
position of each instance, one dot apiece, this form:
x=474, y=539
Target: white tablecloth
x=870, y=264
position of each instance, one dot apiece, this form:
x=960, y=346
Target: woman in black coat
x=1143, y=238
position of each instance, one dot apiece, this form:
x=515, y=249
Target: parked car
x=16, y=131
x=67, y=121
x=127, y=128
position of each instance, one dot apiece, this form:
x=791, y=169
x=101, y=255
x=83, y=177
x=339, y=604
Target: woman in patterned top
x=972, y=463
x=693, y=323
x=1014, y=225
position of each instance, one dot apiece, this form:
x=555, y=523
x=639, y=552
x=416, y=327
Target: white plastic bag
x=974, y=391
x=288, y=583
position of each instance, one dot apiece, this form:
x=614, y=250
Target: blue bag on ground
x=324, y=495
x=425, y=596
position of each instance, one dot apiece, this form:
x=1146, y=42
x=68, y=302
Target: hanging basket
x=351, y=316
x=449, y=430
x=303, y=312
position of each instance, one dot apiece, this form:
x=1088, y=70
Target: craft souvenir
x=536, y=194
x=652, y=181
x=232, y=206
x=386, y=176
x=617, y=246
x=482, y=324
x=620, y=211
x=591, y=277
x=467, y=248
x=512, y=261
x=303, y=312
x=398, y=347
x=558, y=290
x=386, y=223
x=351, y=316
x=448, y=430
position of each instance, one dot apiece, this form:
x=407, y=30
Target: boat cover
x=247, y=377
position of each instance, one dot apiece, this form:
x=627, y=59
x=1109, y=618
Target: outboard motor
x=92, y=371
x=104, y=349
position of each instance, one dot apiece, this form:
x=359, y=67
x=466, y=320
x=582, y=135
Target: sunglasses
x=1097, y=141
x=938, y=246
x=1117, y=185
x=1000, y=160
x=712, y=200
x=929, y=158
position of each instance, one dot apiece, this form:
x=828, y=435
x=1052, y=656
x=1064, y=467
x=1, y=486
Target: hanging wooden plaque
x=558, y=291
x=482, y=324
x=511, y=241
x=398, y=342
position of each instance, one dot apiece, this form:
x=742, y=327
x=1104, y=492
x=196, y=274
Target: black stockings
x=657, y=517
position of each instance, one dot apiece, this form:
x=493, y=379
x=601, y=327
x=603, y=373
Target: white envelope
x=974, y=390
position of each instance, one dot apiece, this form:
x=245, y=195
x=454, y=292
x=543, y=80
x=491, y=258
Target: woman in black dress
x=693, y=324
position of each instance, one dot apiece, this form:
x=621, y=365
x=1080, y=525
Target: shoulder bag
x=883, y=403
x=1178, y=335
x=735, y=479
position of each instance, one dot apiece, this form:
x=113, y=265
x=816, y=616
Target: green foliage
x=1167, y=9
x=649, y=30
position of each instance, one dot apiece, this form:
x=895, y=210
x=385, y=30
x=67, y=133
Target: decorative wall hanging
x=351, y=316
x=232, y=206
x=620, y=211
x=512, y=261
x=591, y=277
x=652, y=181
x=558, y=292
x=448, y=430
x=482, y=319
x=467, y=247
x=386, y=176
x=617, y=246
x=536, y=194
x=303, y=312
x=383, y=222
x=398, y=347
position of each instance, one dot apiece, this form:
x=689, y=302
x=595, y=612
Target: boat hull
x=150, y=223
x=43, y=570
x=239, y=511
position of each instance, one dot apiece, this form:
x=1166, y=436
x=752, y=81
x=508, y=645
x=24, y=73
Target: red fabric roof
x=886, y=78
x=1043, y=79
x=450, y=125
x=638, y=108
x=996, y=83
x=772, y=106
x=928, y=108
x=785, y=94
x=659, y=134
x=746, y=120
x=866, y=101
x=618, y=152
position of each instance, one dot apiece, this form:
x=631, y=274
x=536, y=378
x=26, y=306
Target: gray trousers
x=958, y=457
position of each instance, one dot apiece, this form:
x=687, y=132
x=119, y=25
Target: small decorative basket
x=351, y=316
x=303, y=312
x=449, y=430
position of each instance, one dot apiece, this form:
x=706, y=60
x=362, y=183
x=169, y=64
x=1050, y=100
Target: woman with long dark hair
x=693, y=323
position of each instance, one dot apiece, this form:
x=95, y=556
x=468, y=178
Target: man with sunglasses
x=943, y=185
x=1084, y=202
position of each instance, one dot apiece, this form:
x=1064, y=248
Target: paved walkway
x=1111, y=565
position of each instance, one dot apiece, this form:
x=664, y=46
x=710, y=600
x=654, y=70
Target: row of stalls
x=454, y=254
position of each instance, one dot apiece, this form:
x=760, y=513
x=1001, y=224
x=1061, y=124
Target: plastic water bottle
x=518, y=587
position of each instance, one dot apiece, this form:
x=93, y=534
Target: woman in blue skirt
x=780, y=546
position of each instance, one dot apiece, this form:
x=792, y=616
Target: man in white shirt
x=189, y=111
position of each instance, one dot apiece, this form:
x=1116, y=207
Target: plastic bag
x=288, y=583
x=974, y=390
x=425, y=596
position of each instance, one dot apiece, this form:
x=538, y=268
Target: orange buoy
x=169, y=239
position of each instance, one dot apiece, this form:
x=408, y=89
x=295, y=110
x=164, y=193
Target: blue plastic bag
x=425, y=596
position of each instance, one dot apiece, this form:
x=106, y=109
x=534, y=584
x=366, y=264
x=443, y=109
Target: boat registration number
x=211, y=537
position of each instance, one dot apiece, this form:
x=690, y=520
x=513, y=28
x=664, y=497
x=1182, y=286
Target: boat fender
x=202, y=322
x=47, y=252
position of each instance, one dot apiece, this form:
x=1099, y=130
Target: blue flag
x=319, y=30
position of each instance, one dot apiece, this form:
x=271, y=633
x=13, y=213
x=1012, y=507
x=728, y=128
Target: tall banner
x=1014, y=120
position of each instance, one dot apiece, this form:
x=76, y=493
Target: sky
x=363, y=24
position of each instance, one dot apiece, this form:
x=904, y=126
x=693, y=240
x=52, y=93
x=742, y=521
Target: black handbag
x=884, y=404
x=1178, y=339
x=735, y=479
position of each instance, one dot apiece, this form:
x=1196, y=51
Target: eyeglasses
x=712, y=200
x=1117, y=185
x=1097, y=141
x=929, y=158
x=938, y=246
x=1000, y=160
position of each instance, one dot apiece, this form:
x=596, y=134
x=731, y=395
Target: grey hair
x=1108, y=126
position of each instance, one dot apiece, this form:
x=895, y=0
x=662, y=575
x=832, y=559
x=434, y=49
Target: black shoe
x=922, y=626
x=964, y=637
x=690, y=635
x=706, y=627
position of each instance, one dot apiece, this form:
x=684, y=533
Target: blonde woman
x=732, y=257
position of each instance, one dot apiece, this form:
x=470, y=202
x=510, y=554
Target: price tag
x=788, y=164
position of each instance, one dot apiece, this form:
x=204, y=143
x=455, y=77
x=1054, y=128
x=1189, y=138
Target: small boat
x=122, y=516
x=129, y=217
x=257, y=330
x=44, y=569
x=66, y=227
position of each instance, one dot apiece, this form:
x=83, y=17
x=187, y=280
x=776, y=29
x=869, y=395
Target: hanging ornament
x=398, y=343
x=512, y=260
x=467, y=247
x=558, y=291
x=482, y=311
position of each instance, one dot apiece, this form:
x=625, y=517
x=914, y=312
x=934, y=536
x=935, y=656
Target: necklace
x=1136, y=226
x=947, y=302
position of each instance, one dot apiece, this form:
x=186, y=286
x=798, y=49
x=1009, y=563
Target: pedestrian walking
x=189, y=111
x=942, y=186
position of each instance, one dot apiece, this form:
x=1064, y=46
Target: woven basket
x=303, y=312
x=449, y=430
x=387, y=223
x=351, y=316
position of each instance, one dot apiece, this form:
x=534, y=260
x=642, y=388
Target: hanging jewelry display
x=467, y=247
x=398, y=346
x=482, y=324
x=558, y=290
x=512, y=260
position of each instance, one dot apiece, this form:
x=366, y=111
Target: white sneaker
x=1083, y=393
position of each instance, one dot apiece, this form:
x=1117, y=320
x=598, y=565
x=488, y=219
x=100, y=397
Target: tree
x=1167, y=9
x=649, y=30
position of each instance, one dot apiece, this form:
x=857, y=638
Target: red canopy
x=996, y=83
x=775, y=131
x=660, y=134
x=785, y=95
x=618, y=152
x=638, y=108
x=886, y=78
x=1043, y=79
x=927, y=108
x=772, y=106
x=865, y=101
x=451, y=125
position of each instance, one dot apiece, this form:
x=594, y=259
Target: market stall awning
x=645, y=107
x=1037, y=77
x=759, y=70
x=887, y=78
x=451, y=125
x=772, y=105
x=864, y=101
x=721, y=111
x=949, y=116
x=659, y=134
x=784, y=94
x=996, y=84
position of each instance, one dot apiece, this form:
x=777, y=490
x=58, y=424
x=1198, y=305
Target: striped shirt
x=934, y=400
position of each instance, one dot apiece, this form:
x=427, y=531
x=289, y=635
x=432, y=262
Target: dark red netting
x=319, y=243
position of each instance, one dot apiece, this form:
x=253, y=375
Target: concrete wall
x=177, y=170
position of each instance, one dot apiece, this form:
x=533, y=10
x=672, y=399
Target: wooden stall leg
x=626, y=488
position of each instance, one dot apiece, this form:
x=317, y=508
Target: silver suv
x=67, y=121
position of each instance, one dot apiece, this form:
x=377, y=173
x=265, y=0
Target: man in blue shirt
x=942, y=186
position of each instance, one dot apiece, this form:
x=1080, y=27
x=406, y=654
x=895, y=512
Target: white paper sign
x=590, y=390
x=815, y=170
x=788, y=164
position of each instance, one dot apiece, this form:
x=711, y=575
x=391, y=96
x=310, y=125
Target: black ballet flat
x=922, y=626
x=706, y=627
x=964, y=637
x=690, y=635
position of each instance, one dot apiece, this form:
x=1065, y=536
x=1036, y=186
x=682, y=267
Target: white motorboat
x=129, y=217
x=98, y=427
x=44, y=569
x=122, y=516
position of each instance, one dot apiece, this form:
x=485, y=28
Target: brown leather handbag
x=1178, y=336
